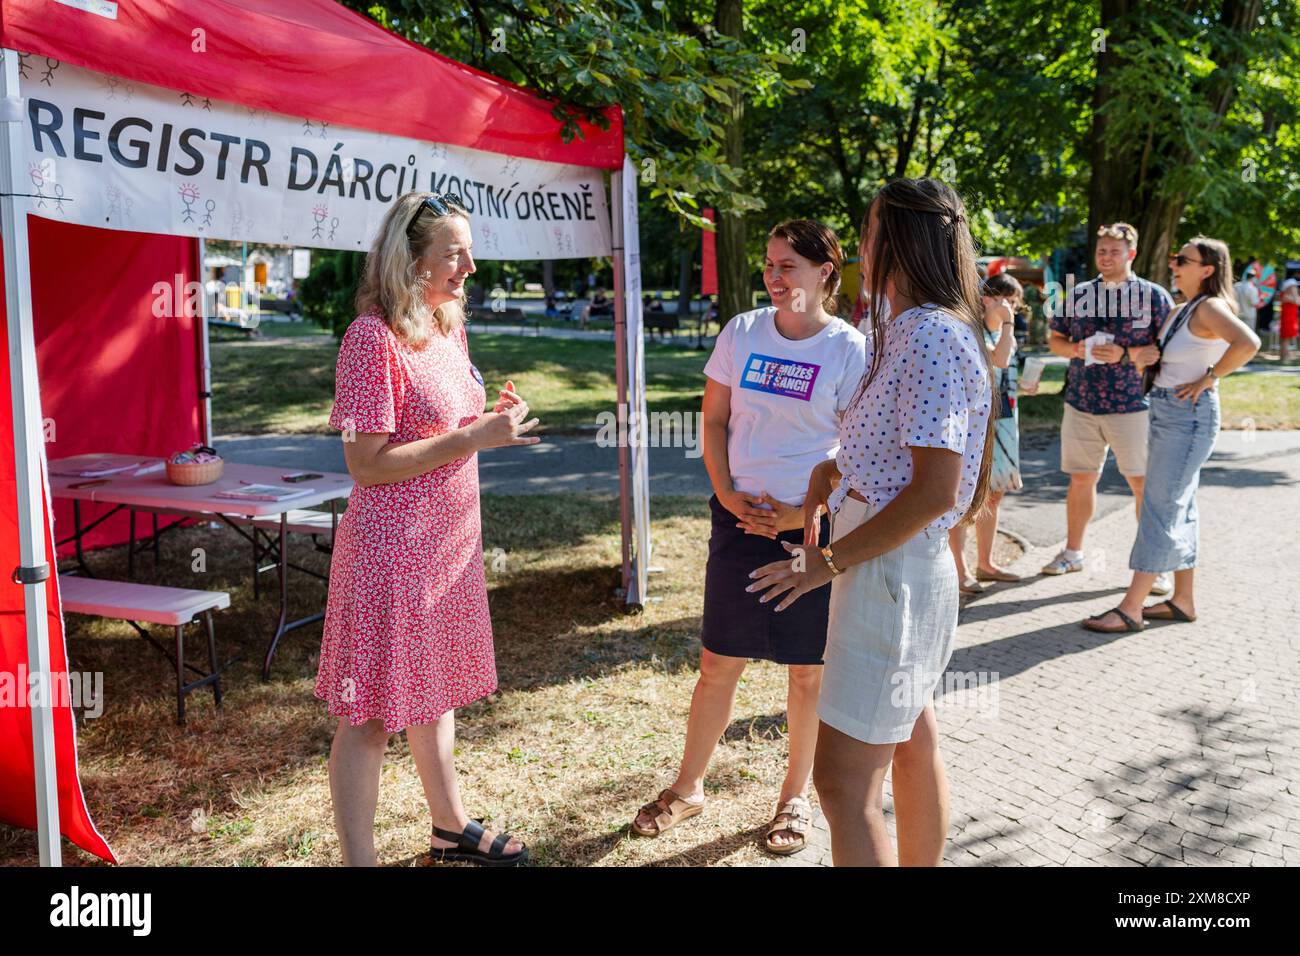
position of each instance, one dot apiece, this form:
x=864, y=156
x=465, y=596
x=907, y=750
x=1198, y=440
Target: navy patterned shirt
x=1131, y=311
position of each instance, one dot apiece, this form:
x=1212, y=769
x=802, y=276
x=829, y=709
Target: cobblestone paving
x=1175, y=746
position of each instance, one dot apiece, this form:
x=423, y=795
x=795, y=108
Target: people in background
x=1201, y=343
x=1289, y=323
x=1105, y=320
x=1003, y=298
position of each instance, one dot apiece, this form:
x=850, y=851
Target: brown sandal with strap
x=793, y=816
x=668, y=810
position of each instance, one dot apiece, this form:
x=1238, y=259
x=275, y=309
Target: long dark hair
x=1214, y=252
x=923, y=243
x=816, y=243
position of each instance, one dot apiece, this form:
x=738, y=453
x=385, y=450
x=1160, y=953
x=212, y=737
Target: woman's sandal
x=998, y=575
x=793, y=816
x=1094, y=623
x=668, y=810
x=467, y=847
x=1174, y=613
x=970, y=586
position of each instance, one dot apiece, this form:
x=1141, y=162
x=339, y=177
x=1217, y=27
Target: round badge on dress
x=477, y=377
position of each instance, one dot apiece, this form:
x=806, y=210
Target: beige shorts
x=1085, y=438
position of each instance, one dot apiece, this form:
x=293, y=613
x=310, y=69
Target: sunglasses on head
x=1179, y=259
x=440, y=203
x=1117, y=232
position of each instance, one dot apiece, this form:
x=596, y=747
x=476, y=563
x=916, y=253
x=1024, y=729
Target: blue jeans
x=1180, y=438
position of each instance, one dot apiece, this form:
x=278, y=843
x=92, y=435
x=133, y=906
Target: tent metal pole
x=621, y=375
x=29, y=482
x=205, y=348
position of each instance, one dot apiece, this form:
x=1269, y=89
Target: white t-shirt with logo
x=787, y=396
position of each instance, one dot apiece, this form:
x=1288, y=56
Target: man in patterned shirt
x=1103, y=322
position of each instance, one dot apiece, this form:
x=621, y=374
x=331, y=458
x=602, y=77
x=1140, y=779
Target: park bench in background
x=485, y=319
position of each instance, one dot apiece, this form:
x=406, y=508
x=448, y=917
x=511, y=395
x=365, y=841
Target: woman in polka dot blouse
x=914, y=461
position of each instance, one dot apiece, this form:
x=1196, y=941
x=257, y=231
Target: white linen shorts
x=893, y=621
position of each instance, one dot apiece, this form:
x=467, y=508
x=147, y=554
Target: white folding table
x=152, y=492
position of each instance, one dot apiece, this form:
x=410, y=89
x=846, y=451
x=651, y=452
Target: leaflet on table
x=262, y=493
x=82, y=466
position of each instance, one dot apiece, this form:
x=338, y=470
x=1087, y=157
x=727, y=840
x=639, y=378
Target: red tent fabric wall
x=18, y=796
x=114, y=377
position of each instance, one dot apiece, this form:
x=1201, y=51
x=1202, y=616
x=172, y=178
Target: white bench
x=173, y=607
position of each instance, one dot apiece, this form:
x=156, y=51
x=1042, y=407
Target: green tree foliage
x=1047, y=115
x=328, y=291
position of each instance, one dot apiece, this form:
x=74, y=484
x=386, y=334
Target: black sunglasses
x=1181, y=260
x=440, y=203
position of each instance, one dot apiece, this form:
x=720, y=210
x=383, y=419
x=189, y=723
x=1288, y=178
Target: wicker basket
x=195, y=472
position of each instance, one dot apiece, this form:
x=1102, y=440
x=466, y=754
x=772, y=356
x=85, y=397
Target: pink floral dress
x=407, y=631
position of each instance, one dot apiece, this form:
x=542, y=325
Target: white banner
x=106, y=152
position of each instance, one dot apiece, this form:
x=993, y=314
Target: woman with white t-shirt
x=914, y=460
x=777, y=382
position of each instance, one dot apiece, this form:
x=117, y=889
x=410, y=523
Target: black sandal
x=1094, y=623
x=1176, y=614
x=467, y=847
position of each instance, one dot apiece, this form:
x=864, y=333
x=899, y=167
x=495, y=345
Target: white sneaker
x=1164, y=584
x=1063, y=565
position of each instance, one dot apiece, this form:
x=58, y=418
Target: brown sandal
x=669, y=810
x=998, y=575
x=793, y=816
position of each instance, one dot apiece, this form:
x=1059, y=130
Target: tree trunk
x=548, y=276
x=1126, y=177
x=686, y=271
x=734, y=294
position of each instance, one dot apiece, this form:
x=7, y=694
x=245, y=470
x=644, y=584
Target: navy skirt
x=735, y=623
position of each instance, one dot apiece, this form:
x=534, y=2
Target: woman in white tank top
x=1197, y=345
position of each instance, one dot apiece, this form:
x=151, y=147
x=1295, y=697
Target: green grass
x=287, y=387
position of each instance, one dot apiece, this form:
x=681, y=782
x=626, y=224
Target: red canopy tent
x=78, y=298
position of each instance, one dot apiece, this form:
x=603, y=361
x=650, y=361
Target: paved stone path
x=1179, y=745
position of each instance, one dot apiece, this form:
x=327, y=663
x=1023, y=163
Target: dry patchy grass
x=587, y=725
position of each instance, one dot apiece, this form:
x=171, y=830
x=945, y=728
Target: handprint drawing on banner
x=189, y=194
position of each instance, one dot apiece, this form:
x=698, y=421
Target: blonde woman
x=407, y=634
